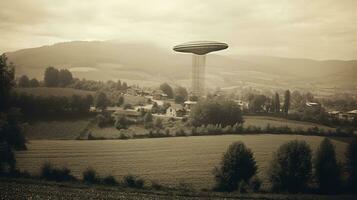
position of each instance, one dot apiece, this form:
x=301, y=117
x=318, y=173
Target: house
x=131, y=114
x=159, y=95
x=351, y=115
x=189, y=104
x=243, y=105
x=175, y=110
x=334, y=113
x=312, y=104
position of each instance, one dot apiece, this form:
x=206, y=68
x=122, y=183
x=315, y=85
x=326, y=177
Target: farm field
x=167, y=160
x=46, y=91
x=263, y=121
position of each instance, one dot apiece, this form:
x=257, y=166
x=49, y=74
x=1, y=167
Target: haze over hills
x=150, y=65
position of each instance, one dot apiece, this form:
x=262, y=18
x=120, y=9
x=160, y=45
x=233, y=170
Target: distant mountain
x=148, y=64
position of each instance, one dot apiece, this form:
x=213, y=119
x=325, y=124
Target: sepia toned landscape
x=178, y=99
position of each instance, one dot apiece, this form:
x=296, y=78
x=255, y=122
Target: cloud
x=320, y=29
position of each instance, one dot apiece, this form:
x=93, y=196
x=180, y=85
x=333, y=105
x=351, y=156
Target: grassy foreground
x=37, y=189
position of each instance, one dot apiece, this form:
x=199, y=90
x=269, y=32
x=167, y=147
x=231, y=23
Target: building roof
x=352, y=112
x=190, y=102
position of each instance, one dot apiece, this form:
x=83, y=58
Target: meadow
x=166, y=160
x=263, y=121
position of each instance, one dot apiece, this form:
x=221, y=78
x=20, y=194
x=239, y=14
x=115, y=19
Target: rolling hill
x=149, y=64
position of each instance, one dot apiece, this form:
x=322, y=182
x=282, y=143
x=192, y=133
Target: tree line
x=291, y=169
x=56, y=106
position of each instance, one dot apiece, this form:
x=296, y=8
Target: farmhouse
x=175, y=110
x=159, y=95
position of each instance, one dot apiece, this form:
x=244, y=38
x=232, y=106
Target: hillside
x=148, y=64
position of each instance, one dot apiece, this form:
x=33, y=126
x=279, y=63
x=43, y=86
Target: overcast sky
x=319, y=29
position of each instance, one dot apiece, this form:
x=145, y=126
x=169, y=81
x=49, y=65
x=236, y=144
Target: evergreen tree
x=277, y=103
x=286, y=102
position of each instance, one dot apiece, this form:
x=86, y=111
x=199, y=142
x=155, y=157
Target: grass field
x=55, y=129
x=36, y=189
x=46, y=91
x=263, y=121
x=167, y=160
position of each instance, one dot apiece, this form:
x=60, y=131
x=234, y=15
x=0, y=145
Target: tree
x=120, y=100
x=101, y=101
x=24, y=81
x=166, y=88
x=51, y=77
x=148, y=120
x=277, y=103
x=327, y=171
x=121, y=122
x=237, y=165
x=180, y=94
x=7, y=73
x=257, y=103
x=34, y=83
x=119, y=85
x=223, y=112
x=64, y=77
x=286, y=102
x=296, y=99
x=124, y=86
x=351, y=155
x=158, y=123
x=290, y=169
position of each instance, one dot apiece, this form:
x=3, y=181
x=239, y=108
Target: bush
x=109, y=180
x=121, y=122
x=156, y=185
x=127, y=106
x=290, y=169
x=327, y=171
x=50, y=173
x=90, y=176
x=133, y=182
x=158, y=123
x=237, y=165
x=351, y=155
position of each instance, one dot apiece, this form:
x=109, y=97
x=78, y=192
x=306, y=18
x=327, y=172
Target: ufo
x=200, y=47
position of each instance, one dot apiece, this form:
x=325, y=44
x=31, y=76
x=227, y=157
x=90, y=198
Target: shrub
x=351, y=155
x=109, y=180
x=121, y=122
x=180, y=132
x=158, y=123
x=327, y=171
x=50, y=173
x=127, y=106
x=156, y=185
x=90, y=176
x=290, y=169
x=133, y=182
x=238, y=164
x=254, y=184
